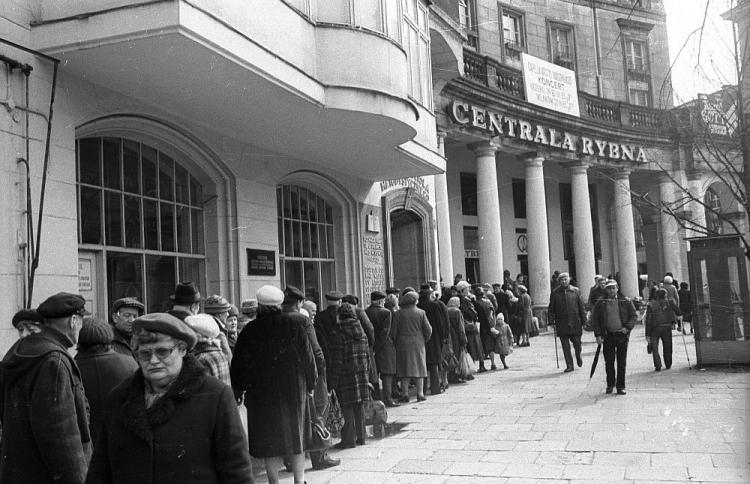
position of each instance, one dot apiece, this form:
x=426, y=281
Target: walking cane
x=557, y=358
x=684, y=343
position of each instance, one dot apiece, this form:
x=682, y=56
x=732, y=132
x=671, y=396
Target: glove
x=599, y=340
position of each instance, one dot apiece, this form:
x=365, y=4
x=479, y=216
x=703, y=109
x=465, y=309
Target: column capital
x=484, y=147
x=534, y=159
x=622, y=174
x=579, y=167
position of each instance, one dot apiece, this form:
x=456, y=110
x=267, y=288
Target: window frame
x=506, y=46
x=468, y=21
x=467, y=208
x=423, y=66
x=637, y=77
x=553, y=25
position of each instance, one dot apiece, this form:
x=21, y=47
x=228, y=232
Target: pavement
x=533, y=423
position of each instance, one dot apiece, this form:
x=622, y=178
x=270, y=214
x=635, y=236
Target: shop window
x=562, y=45
x=417, y=44
x=468, y=19
x=519, y=198
x=468, y=194
x=306, y=241
x=144, y=211
x=512, y=32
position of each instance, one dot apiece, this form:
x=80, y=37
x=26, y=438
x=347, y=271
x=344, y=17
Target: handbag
x=335, y=417
x=319, y=437
x=450, y=362
x=375, y=412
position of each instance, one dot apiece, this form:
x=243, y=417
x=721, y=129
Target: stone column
x=488, y=213
x=583, y=231
x=445, y=246
x=627, y=262
x=697, y=210
x=671, y=235
x=536, y=231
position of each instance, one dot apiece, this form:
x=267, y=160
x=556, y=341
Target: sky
x=691, y=73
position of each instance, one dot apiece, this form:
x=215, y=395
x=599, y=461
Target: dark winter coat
x=367, y=326
x=44, y=412
x=191, y=434
x=567, y=311
x=325, y=322
x=686, y=304
x=628, y=316
x=121, y=344
x=274, y=364
x=483, y=308
x=350, y=363
x=503, y=304
x=661, y=314
x=437, y=316
x=101, y=371
x=596, y=293
x=410, y=334
x=321, y=387
x=385, y=351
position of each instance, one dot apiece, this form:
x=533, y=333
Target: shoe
x=493, y=367
x=481, y=369
x=579, y=360
x=505, y=367
x=568, y=369
x=609, y=389
x=621, y=391
x=421, y=399
x=360, y=441
x=658, y=368
x=470, y=377
x=326, y=464
x=403, y=399
x=391, y=403
x=343, y=445
x=668, y=367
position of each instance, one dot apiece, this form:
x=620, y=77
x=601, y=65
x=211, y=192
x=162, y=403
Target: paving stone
x=476, y=469
x=622, y=458
x=419, y=466
x=675, y=473
x=719, y=474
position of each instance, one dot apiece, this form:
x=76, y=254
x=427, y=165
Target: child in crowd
x=503, y=338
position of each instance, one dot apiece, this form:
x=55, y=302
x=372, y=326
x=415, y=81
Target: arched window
x=143, y=211
x=306, y=241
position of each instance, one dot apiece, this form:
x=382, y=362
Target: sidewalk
x=532, y=423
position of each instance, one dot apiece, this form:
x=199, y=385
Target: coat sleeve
x=462, y=340
x=632, y=315
x=240, y=366
x=596, y=318
x=336, y=353
x=229, y=445
x=364, y=320
x=552, y=308
x=649, y=320
x=320, y=360
x=54, y=422
x=307, y=358
x=581, y=306
x=100, y=471
x=426, y=328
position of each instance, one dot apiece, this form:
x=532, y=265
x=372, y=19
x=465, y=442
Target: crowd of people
x=160, y=397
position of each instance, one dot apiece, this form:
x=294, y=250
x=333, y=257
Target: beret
x=62, y=305
x=186, y=293
x=334, y=296
x=128, y=302
x=204, y=325
x=27, y=315
x=166, y=324
x=393, y=290
x=248, y=305
x=269, y=296
x=610, y=282
x=377, y=295
x=350, y=299
x=95, y=332
x=564, y=274
x=216, y=304
x=294, y=293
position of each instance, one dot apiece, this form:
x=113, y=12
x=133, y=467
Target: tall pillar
x=583, y=231
x=445, y=246
x=627, y=262
x=697, y=210
x=671, y=235
x=488, y=213
x=536, y=231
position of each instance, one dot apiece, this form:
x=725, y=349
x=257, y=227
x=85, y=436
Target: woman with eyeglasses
x=171, y=421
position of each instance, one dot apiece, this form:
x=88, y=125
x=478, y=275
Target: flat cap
x=393, y=290
x=248, y=305
x=128, y=302
x=166, y=324
x=186, y=293
x=350, y=299
x=334, y=296
x=27, y=315
x=216, y=304
x=269, y=296
x=610, y=283
x=294, y=293
x=62, y=305
x=377, y=295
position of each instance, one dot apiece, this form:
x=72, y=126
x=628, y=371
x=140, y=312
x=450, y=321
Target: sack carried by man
x=335, y=418
x=319, y=437
x=375, y=412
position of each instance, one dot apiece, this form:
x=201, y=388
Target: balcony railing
x=509, y=81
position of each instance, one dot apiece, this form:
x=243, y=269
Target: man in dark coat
x=613, y=318
x=124, y=312
x=437, y=316
x=325, y=322
x=503, y=301
x=186, y=300
x=43, y=408
x=597, y=291
x=567, y=313
x=483, y=307
x=385, y=351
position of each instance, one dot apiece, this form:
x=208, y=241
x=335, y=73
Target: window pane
x=314, y=246
x=393, y=20
x=183, y=229
x=288, y=242
x=293, y=273
x=160, y=282
x=196, y=193
x=167, y=226
x=312, y=205
x=91, y=216
x=303, y=204
x=88, y=161
x=280, y=228
x=322, y=213
x=132, y=168
x=368, y=14
x=112, y=168
x=124, y=276
x=191, y=270
x=113, y=218
x=148, y=160
x=306, y=252
x=322, y=236
x=424, y=68
x=331, y=242
x=132, y=222
x=311, y=287
x=334, y=12
x=328, y=277
x=196, y=221
x=519, y=198
x=150, y=225
x=297, y=238
x=180, y=183
x=468, y=194
x=294, y=203
x=166, y=188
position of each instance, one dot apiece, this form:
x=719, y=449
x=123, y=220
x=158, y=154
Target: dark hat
x=377, y=295
x=249, y=306
x=186, y=293
x=425, y=287
x=408, y=289
x=334, y=296
x=216, y=304
x=350, y=299
x=95, y=332
x=393, y=290
x=27, y=315
x=233, y=311
x=294, y=293
x=166, y=324
x=62, y=305
x=408, y=298
x=128, y=302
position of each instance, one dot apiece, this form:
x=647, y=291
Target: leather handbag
x=319, y=437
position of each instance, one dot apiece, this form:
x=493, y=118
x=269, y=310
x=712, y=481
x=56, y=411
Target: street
x=532, y=423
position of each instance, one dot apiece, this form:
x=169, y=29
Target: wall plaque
x=261, y=262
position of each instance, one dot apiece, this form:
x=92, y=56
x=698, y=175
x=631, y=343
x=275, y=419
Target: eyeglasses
x=161, y=353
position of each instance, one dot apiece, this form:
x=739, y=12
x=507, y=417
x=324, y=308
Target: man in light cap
x=597, y=291
x=249, y=310
x=567, y=313
x=124, y=312
x=613, y=318
x=43, y=407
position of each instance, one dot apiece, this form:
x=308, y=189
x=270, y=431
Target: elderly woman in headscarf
x=410, y=334
x=458, y=335
x=208, y=346
x=170, y=422
x=274, y=364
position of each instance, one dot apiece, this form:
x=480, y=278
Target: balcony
x=509, y=82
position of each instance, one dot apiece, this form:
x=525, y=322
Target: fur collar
x=140, y=420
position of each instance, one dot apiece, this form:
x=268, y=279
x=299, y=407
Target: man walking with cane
x=567, y=313
x=613, y=318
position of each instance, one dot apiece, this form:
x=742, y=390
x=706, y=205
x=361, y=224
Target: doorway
x=407, y=249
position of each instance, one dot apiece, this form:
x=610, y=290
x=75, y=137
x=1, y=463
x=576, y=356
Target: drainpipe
x=597, y=50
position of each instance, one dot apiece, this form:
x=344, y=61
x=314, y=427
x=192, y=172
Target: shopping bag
x=450, y=362
x=375, y=412
x=466, y=365
x=335, y=417
x=319, y=438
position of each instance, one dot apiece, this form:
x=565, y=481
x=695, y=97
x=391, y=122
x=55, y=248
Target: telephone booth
x=721, y=302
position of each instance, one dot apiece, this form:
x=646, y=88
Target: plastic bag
x=466, y=365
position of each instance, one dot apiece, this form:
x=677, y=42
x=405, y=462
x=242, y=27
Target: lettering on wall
x=373, y=263
x=416, y=183
x=261, y=262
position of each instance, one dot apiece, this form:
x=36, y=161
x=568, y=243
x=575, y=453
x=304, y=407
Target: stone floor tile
x=623, y=458
x=475, y=480
x=675, y=473
x=457, y=455
x=565, y=458
x=719, y=474
x=420, y=466
x=594, y=472
x=542, y=445
x=534, y=471
x=730, y=460
x=489, y=469
x=509, y=456
x=681, y=459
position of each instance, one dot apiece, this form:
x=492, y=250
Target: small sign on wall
x=261, y=262
x=84, y=275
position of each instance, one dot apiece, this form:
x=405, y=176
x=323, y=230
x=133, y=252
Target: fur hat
x=249, y=306
x=27, y=315
x=95, y=332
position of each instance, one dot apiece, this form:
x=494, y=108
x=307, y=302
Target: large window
x=417, y=45
x=377, y=15
x=519, y=198
x=468, y=194
x=144, y=211
x=562, y=45
x=513, y=33
x=306, y=241
x=468, y=18
x=637, y=71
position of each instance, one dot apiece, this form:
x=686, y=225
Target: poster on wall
x=549, y=85
x=261, y=262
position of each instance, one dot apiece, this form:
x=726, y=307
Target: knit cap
x=95, y=332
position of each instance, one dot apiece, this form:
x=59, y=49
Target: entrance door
x=88, y=287
x=407, y=249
